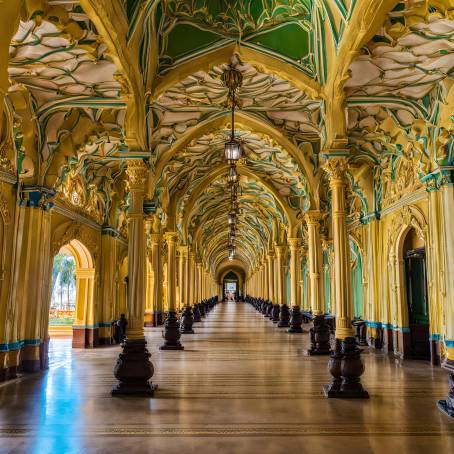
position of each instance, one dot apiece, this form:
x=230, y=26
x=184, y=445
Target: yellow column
x=447, y=405
x=27, y=309
x=336, y=167
x=294, y=244
x=170, y=239
x=270, y=257
x=133, y=368
x=448, y=227
x=279, y=273
x=137, y=174
x=315, y=262
x=200, y=277
x=266, y=282
x=181, y=276
x=156, y=263
x=192, y=299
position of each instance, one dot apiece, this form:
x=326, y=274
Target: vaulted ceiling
x=93, y=82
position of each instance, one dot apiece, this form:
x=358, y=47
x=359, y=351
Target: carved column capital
x=294, y=243
x=336, y=168
x=170, y=237
x=155, y=238
x=137, y=172
x=280, y=251
x=313, y=217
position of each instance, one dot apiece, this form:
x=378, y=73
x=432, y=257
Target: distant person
x=122, y=324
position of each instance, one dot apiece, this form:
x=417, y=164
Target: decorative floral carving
x=75, y=231
x=137, y=172
x=336, y=167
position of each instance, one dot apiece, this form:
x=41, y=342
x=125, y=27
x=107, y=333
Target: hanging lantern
x=233, y=176
x=232, y=150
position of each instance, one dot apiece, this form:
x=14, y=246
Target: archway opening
x=71, y=312
x=231, y=286
x=63, y=298
x=414, y=256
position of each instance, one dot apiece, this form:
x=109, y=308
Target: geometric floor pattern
x=241, y=385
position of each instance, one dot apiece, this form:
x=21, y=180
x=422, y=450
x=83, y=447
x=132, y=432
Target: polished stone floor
x=240, y=386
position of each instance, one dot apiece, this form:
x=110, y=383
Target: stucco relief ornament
x=336, y=168
x=137, y=172
x=5, y=163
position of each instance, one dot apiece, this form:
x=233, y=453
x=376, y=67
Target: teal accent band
x=377, y=325
x=449, y=343
x=435, y=337
x=19, y=344
x=374, y=324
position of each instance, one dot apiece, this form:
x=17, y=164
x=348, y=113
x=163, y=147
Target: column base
x=133, y=370
x=320, y=334
x=296, y=320
x=158, y=318
x=186, y=321
x=447, y=405
x=171, y=333
x=197, y=314
x=284, y=317
x=275, y=313
x=331, y=392
x=346, y=368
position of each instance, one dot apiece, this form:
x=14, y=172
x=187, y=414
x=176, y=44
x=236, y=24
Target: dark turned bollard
x=361, y=329
x=334, y=367
x=275, y=313
x=263, y=307
x=202, y=309
x=187, y=319
x=269, y=311
x=171, y=333
x=351, y=369
x=447, y=405
x=284, y=317
x=320, y=334
x=296, y=320
x=133, y=370
x=196, y=312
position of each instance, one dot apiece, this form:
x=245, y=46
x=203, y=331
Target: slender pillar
x=156, y=263
x=270, y=260
x=296, y=319
x=193, y=281
x=320, y=332
x=284, y=314
x=172, y=330
x=277, y=294
x=266, y=282
x=134, y=369
x=187, y=317
x=447, y=405
x=345, y=365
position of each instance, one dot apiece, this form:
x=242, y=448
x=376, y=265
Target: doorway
x=230, y=286
x=416, y=296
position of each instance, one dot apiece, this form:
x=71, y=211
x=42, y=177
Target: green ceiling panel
x=289, y=40
x=185, y=38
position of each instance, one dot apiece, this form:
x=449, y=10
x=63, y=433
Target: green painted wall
x=327, y=282
x=357, y=280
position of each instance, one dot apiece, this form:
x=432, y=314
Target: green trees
x=63, y=278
